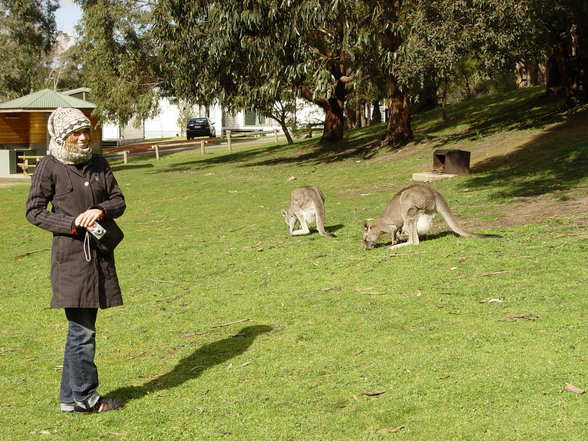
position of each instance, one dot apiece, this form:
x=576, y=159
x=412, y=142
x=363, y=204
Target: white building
x=169, y=122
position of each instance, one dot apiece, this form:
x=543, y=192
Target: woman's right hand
x=88, y=218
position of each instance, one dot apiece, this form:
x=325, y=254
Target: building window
x=254, y=119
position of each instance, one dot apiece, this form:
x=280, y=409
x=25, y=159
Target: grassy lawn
x=233, y=330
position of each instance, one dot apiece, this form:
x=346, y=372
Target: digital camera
x=98, y=231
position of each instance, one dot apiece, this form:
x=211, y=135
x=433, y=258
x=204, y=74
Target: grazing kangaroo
x=307, y=204
x=411, y=211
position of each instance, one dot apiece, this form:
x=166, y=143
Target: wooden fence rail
x=229, y=135
x=25, y=164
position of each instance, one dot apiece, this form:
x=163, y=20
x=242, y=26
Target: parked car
x=200, y=127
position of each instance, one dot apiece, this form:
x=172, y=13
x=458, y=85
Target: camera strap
x=87, y=251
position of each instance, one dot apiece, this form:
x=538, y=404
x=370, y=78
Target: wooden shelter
x=23, y=125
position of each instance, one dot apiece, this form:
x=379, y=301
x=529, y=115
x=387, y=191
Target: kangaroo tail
x=443, y=208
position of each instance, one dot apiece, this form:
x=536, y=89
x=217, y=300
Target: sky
x=67, y=16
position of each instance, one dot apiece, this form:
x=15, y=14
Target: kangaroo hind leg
x=410, y=227
x=303, y=224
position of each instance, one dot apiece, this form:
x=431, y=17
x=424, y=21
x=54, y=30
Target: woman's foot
x=102, y=405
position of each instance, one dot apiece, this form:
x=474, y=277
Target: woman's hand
x=88, y=218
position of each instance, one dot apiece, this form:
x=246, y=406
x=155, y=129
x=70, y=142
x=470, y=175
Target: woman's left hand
x=88, y=218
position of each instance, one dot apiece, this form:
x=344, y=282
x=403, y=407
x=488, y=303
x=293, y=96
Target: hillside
x=522, y=148
x=528, y=149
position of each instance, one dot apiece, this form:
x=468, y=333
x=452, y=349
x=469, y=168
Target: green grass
x=309, y=324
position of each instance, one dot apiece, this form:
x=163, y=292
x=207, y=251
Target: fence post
x=202, y=149
x=125, y=156
x=156, y=147
x=276, y=135
x=229, y=140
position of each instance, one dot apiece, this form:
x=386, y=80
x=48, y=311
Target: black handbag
x=107, y=235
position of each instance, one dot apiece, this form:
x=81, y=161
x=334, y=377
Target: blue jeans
x=79, y=378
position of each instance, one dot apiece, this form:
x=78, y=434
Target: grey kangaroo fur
x=411, y=211
x=307, y=205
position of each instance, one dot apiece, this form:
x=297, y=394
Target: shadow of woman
x=195, y=364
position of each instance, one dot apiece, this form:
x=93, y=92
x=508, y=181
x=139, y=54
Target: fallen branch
x=397, y=429
x=374, y=393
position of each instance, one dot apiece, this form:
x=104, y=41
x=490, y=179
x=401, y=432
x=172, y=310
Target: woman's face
x=80, y=139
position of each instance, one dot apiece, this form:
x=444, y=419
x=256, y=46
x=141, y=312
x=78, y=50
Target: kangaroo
x=411, y=212
x=307, y=204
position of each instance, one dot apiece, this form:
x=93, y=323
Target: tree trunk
x=351, y=115
x=557, y=70
x=398, y=131
x=286, y=132
x=580, y=53
x=334, y=122
x=376, y=114
x=334, y=109
x=527, y=74
x=361, y=110
x=567, y=66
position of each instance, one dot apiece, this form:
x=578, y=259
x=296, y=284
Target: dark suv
x=200, y=127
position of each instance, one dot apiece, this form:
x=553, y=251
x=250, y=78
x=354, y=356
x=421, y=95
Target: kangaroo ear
x=366, y=225
x=283, y=213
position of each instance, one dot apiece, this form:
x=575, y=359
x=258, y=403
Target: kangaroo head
x=289, y=218
x=370, y=237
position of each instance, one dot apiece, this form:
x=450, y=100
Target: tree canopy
x=246, y=54
x=27, y=34
x=118, y=57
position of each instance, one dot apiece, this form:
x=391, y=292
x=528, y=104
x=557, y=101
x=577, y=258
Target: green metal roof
x=78, y=90
x=45, y=99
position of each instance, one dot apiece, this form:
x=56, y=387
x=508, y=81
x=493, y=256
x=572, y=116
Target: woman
x=82, y=190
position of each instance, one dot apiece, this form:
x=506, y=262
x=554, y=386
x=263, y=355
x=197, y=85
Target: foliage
x=117, y=54
x=27, y=35
x=261, y=54
x=64, y=64
x=254, y=54
x=233, y=330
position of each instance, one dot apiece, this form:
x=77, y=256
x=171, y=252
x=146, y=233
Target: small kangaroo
x=307, y=204
x=411, y=211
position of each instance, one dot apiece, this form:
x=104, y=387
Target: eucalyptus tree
x=415, y=45
x=117, y=52
x=565, y=23
x=408, y=46
x=256, y=53
x=27, y=35
x=498, y=34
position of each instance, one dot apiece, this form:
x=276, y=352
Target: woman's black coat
x=71, y=190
